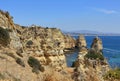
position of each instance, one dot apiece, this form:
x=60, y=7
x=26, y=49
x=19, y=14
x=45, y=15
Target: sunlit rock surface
x=81, y=42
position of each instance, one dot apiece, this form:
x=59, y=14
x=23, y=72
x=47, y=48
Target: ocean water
x=111, y=50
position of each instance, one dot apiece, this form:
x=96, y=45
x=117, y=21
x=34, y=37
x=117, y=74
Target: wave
x=111, y=50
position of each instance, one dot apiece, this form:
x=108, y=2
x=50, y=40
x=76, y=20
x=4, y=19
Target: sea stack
x=97, y=44
x=81, y=42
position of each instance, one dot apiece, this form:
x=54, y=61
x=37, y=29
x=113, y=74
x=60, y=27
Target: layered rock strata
x=46, y=44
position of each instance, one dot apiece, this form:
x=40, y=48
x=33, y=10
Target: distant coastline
x=90, y=33
x=95, y=35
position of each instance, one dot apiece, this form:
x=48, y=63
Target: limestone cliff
x=6, y=20
x=46, y=44
x=69, y=41
x=6, y=23
x=28, y=53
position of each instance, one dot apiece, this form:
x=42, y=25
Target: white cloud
x=105, y=11
x=108, y=11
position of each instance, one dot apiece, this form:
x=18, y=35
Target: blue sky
x=68, y=15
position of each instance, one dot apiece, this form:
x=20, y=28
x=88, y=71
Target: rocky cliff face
x=6, y=20
x=69, y=41
x=46, y=44
x=7, y=24
x=91, y=65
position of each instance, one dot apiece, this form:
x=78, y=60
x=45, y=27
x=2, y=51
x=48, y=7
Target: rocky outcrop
x=91, y=65
x=6, y=20
x=6, y=23
x=81, y=42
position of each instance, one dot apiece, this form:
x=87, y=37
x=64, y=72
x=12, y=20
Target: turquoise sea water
x=111, y=50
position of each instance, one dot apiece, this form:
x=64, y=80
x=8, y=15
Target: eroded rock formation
x=97, y=44
x=7, y=24
x=46, y=44
x=81, y=42
x=91, y=65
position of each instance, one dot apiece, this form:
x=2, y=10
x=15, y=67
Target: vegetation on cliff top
x=112, y=75
x=92, y=54
x=35, y=64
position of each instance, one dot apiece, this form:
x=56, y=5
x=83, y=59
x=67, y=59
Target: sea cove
x=111, y=50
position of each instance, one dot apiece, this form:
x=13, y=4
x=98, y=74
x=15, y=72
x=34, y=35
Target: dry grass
x=8, y=77
x=6, y=80
x=92, y=75
x=56, y=76
x=88, y=75
x=51, y=75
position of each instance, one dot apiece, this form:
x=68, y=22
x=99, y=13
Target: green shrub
x=35, y=70
x=9, y=30
x=112, y=74
x=94, y=55
x=1, y=76
x=30, y=42
x=35, y=64
x=4, y=37
x=20, y=62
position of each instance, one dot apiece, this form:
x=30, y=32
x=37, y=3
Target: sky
x=67, y=15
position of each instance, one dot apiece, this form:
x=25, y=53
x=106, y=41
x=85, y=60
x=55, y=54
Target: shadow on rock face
x=4, y=37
